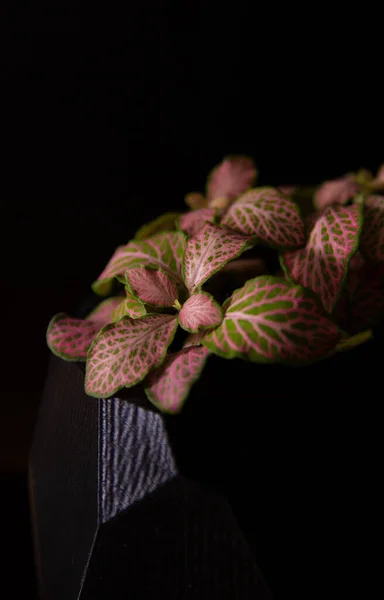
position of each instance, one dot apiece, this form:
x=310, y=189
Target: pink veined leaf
x=191, y=222
x=194, y=339
x=231, y=178
x=169, y=385
x=200, y=311
x=125, y=351
x=336, y=191
x=163, y=251
x=129, y=307
x=70, y=338
x=272, y=320
x=209, y=251
x=322, y=265
x=372, y=237
x=270, y=216
x=152, y=287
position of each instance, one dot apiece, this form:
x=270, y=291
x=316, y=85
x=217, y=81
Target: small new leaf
x=200, y=311
x=195, y=201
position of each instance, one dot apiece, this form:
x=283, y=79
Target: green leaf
x=348, y=342
x=271, y=320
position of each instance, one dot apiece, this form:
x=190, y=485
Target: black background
x=109, y=118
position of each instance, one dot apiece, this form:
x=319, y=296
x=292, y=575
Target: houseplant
x=326, y=294
x=294, y=450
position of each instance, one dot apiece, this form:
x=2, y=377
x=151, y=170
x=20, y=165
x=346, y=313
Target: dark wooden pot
x=266, y=467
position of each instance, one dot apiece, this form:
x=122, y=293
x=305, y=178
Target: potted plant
x=290, y=283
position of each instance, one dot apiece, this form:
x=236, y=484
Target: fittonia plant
x=323, y=294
